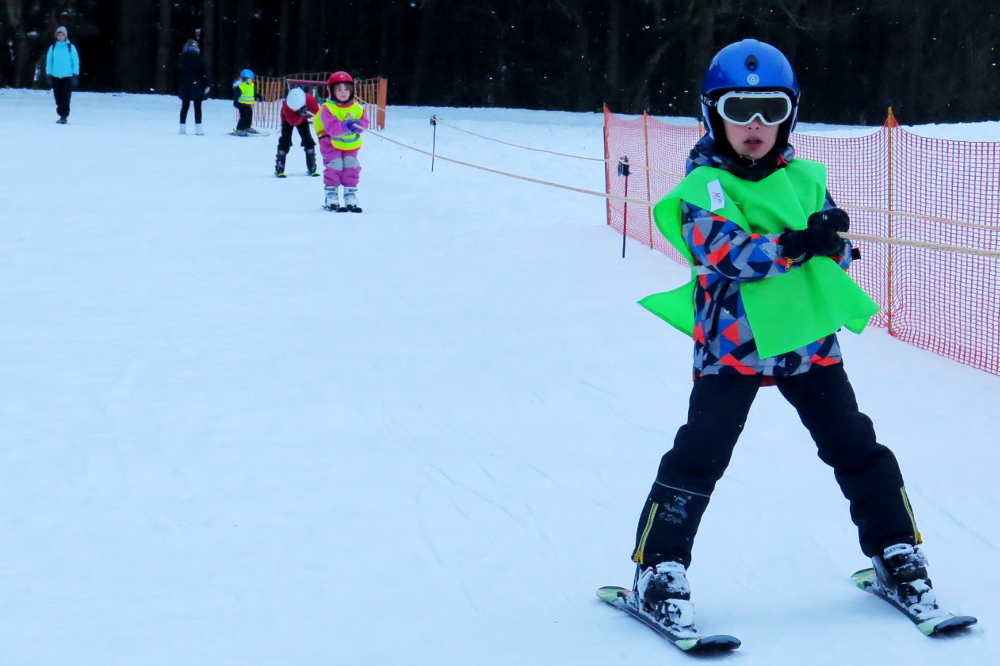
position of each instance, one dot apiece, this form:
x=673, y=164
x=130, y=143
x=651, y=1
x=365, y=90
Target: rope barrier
x=637, y=167
x=640, y=167
x=923, y=245
x=918, y=216
x=642, y=202
x=515, y=145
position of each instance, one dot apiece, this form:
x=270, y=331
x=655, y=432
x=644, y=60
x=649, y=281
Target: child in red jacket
x=298, y=108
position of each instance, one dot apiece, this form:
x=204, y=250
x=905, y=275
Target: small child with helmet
x=244, y=95
x=298, y=108
x=339, y=125
x=770, y=291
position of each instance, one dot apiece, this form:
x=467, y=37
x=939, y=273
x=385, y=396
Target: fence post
x=434, y=124
x=607, y=166
x=380, y=101
x=623, y=170
x=890, y=124
x=649, y=193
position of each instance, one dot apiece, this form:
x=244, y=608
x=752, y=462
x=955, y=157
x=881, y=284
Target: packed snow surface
x=237, y=429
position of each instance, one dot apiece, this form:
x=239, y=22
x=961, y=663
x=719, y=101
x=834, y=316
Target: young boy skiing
x=244, y=96
x=769, y=292
x=298, y=108
x=62, y=67
x=338, y=126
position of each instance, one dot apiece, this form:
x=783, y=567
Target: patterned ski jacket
x=729, y=256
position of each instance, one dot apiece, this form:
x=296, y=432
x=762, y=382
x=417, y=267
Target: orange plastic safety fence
x=944, y=302
x=371, y=93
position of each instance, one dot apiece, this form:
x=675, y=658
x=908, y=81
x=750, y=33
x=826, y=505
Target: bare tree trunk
x=133, y=47
x=580, y=52
x=208, y=39
x=244, y=33
x=283, y=37
x=22, y=58
x=614, y=45
x=164, y=49
x=305, y=36
x=424, y=38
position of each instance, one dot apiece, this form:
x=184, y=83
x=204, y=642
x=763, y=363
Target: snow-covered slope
x=236, y=429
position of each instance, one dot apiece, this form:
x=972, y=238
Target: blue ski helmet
x=748, y=65
x=246, y=74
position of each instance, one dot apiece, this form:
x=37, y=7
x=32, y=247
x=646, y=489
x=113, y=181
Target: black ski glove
x=835, y=218
x=817, y=240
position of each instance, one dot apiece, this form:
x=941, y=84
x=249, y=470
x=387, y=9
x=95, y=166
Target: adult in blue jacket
x=62, y=67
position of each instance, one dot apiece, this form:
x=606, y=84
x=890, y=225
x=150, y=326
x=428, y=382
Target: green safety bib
x=786, y=312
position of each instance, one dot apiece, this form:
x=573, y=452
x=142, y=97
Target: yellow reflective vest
x=331, y=115
x=247, y=95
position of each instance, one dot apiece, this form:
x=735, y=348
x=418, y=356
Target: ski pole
x=434, y=124
x=623, y=170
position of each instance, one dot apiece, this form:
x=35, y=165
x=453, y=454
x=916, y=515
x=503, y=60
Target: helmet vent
x=752, y=63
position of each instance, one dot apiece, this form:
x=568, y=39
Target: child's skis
x=683, y=638
x=932, y=624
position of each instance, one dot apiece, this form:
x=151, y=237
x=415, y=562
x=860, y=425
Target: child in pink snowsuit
x=339, y=125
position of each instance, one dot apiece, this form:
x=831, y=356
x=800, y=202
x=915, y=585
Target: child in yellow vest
x=244, y=95
x=339, y=125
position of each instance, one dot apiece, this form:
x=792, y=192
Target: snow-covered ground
x=236, y=429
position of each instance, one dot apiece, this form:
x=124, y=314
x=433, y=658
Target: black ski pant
x=246, y=116
x=62, y=90
x=305, y=136
x=867, y=472
x=185, y=105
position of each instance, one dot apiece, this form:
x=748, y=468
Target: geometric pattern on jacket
x=728, y=256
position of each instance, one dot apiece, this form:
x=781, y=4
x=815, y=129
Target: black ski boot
x=279, y=163
x=902, y=573
x=311, y=161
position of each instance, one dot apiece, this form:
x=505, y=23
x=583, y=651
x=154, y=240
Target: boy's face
x=61, y=36
x=342, y=91
x=754, y=140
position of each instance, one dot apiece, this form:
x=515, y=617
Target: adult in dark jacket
x=193, y=84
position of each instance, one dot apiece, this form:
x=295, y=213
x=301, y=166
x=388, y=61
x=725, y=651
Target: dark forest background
x=932, y=60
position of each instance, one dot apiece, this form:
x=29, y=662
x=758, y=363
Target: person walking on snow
x=62, y=67
x=194, y=84
x=770, y=290
x=338, y=126
x=244, y=95
x=297, y=110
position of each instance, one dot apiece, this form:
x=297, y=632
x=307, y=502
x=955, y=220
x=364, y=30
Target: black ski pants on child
x=867, y=472
x=62, y=90
x=305, y=136
x=246, y=116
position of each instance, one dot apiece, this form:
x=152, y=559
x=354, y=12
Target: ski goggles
x=740, y=108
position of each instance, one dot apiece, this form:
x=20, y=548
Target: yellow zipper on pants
x=637, y=558
x=909, y=510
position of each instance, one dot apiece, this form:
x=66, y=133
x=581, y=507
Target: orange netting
x=891, y=181
x=371, y=93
